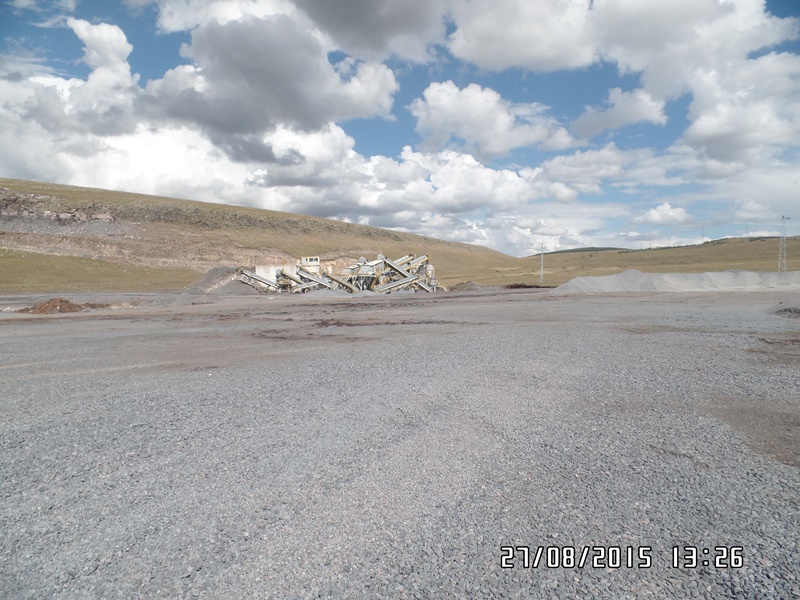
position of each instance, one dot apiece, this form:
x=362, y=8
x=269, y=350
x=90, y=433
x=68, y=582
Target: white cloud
x=105, y=46
x=444, y=194
x=558, y=225
x=186, y=15
x=102, y=104
x=488, y=125
x=624, y=108
x=743, y=108
x=747, y=114
x=23, y=4
x=730, y=132
x=752, y=211
x=668, y=41
x=252, y=75
x=540, y=35
x=585, y=171
x=334, y=181
x=252, y=117
x=761, y=193
x=379, y=28
x=40, y=6
x=664, y=214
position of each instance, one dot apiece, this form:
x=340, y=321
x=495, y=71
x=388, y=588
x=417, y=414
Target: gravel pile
x=636, y=281
x=248, y=452
x=466, y=286
x=213, y=279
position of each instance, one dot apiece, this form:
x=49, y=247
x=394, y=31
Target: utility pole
x=782, y=247
x=541, y=266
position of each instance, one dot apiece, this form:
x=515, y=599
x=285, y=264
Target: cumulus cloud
x=253, y=73
x=752, y=211
x=444, y=182
x=540, y=35
x=378, y=28
x=186, y=15
x=624, y=108
x=668, y=41
x=743, y=106
x=761, y=193
x=102, y=104
x=748, y=114
x=556, y=225
x=446, y=194
x=731, y=132
x=487, y=124
x=254, y=114
x=585, y=171
x=664, y=214
x=105, y=46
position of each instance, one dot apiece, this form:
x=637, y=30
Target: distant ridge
x=168, y=233
x=587, y=249
x=55, y=237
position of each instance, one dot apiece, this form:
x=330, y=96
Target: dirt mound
x=62, y=305
x=54, y=305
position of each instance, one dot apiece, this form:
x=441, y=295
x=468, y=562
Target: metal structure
x=541, y=266
x=782, y=247
x=381, y=275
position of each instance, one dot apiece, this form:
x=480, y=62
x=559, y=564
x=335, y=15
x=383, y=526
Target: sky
x=519, y=125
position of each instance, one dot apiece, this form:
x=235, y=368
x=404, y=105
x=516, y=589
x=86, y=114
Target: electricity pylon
x=782, y=248
x=541, y=266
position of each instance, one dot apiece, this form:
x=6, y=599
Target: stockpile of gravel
x=466, y=286
x=636, y=281
x=213, y=279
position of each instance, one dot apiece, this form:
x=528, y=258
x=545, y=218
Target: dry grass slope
x=139, y=242
x=749, y=254
x=29, y=272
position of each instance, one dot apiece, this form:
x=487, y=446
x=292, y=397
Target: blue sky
x=505, y=123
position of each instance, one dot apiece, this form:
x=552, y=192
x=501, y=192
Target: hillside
x=166, y=242
x=750, y=254
x=65, y=238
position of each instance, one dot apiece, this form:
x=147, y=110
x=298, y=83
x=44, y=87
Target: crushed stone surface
x=389, y=446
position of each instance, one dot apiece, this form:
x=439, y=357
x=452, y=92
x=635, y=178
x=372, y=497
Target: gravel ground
x=387, y=447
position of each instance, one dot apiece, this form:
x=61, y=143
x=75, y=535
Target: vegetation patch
x=31, y=272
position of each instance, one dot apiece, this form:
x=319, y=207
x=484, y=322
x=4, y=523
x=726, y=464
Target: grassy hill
x=57, y=238
x=166, y=243
x=751, y=254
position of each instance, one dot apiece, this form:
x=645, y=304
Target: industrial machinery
x=381, y=275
